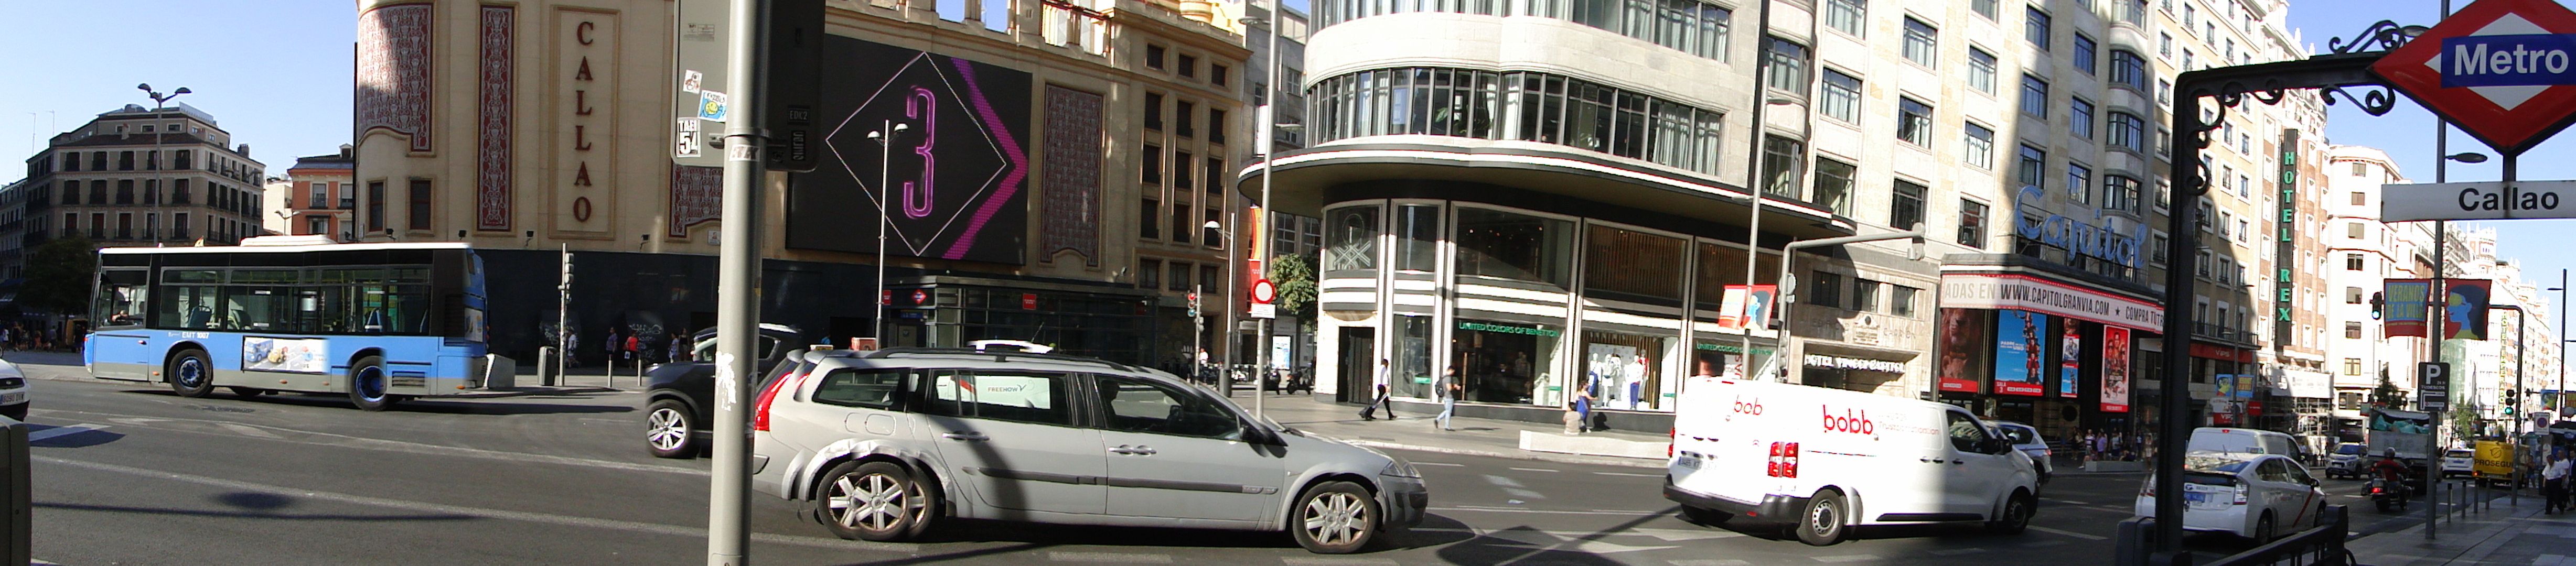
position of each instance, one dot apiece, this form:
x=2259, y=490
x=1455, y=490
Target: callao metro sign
x=2502, y=70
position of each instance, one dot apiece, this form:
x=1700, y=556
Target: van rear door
x=1720, y=446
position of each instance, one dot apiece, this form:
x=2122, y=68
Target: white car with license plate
x=13, y=392
x=2256, y=496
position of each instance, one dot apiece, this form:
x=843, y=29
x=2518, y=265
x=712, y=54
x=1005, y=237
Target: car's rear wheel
x=667, y=429
x=1822, y=522
x=875, y=501
x=1335, y=517
x=190, y=374
x=2263, y=530
x=2016, y=514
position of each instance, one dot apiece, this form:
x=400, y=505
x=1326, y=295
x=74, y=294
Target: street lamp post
x=160, y=101
x=885, y=164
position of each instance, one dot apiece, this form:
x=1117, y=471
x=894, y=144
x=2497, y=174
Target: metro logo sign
x=2502, y=70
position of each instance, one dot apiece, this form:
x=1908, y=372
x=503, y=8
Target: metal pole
x=885, y=165
x=1233, y=234
x=737, y=287
x=2434, y=322
x=1198, y=336
x=1269, y=127
x=1753, y=184
x=563, y=317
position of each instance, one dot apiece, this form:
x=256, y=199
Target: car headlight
x=1400, y=468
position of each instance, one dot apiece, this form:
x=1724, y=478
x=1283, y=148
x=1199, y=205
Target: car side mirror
x=1997, y=446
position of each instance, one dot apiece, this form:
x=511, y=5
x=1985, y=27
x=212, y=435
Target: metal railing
x=2322, y=545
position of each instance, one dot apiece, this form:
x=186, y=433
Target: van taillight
x=1783, y=462
x=1676, y=437
x=760, y=409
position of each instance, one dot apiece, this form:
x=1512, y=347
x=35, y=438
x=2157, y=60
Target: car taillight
x=760, y=409
x=1783, y=462
x=2240, y=493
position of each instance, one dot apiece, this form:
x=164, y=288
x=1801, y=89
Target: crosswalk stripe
x=1110, y=557
x=1535, y=470
x=247, y=430
x=66, y=430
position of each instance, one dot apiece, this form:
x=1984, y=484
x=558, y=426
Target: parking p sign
x=2502, y=70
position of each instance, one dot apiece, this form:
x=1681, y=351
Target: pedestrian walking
x=634, y=346
x=2554, y=482
x=616, y=340
x=1448, y=388
x=1380, y=393
x=1578, y=412
x=679, y=347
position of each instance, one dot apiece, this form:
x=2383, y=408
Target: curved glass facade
x=1516, y=105
x=1690, y=26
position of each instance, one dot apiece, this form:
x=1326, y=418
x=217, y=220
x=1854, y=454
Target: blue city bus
x=378, y=322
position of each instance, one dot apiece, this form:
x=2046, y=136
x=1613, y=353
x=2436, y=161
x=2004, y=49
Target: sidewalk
x=1413, y=431
x=66, y=366
x=2502, y=534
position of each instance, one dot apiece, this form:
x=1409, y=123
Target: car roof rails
x=998, y=356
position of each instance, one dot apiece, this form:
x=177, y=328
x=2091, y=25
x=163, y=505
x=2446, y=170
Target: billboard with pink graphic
x=951, y=176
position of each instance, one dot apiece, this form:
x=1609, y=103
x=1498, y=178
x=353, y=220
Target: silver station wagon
x=883, y=445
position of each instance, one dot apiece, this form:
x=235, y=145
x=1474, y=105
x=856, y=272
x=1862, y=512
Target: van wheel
x=1334, y=518
x=367, y=384
x=2016, y=515
x=875, y=501
x=190, y=374
x=1704, y=517
x=1821, y=523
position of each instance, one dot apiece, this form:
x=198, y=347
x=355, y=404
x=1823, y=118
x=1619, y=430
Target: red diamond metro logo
x=2506, y=67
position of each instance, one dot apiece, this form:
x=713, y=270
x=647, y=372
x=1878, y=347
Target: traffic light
x=566, y=285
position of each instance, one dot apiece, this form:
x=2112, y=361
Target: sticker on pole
x=711, y=106
x=2502, y=70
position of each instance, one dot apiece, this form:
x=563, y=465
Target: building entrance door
x=1359, y=350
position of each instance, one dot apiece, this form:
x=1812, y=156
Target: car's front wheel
x=667, y=429
x=876, y=501
x=1335, y=518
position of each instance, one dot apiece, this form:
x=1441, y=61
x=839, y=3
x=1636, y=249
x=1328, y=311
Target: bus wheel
x=367, y=384
x=190, y=374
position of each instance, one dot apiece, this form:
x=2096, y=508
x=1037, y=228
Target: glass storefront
x=1504, y=245
x=1505, y=362
x=1412, y=360
x=1721, y=356
x=1625, y=371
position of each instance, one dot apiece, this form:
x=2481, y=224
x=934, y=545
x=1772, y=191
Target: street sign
x=2433, y=386
x=2482, y=200
x=1265, y=310
x=2502, y=70
x=1263, y=292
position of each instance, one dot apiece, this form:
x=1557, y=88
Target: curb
x=1524, y=455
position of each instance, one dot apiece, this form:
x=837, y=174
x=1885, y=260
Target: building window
x=1905, y=204
x=2127, y=131
x=1834, y=185
x=2085, y=52
x=419, y=204
x=1152, y=162
x=1922, y=43
x=1826, y=289
x=1216, y=74
x=1864, y=296
x=125, y=161
x=2352, y=230
x=71, y=161
x=2352, y=366
x=1181, y=178
x=1153, y=56
x=2128, y=69
x=2031, y=169
x=1216, y=177
x=1847, y=15
x=1216, y=126
x=1781, y=158
x=1153, y=111
x=1972, y=223
x=1983, y=8
x=179, y=225
x=2352, y=330
x=2360, y=199
x=1149, y=220
x=2035, y=28
x=1504, y=245
x=375, y=205
x=2079, y=183
x=1184, y=112
x=1841, y=97
x=2034, y=96
x=2079, y=118
x=2359, y=169
x=1149, y=273
x=1519, y=106
x=1980, y=149
x=2352, y=295
x=1981, y=70
x=1209, y=235
x=1786, y=67
x=1900, y=300
x=1913, y=121
x=2120, y=193
x=2156, y=249
x=125, y=191
x=1189, y=66
x=319, y=195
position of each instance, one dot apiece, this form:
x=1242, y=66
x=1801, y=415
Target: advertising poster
x=954, y=183
x=2115, y=369
x=2466, y=313
x=1963, y=338
x=1757, y=306
x=2244, y=388
x=2403, y=313
x=293, y=355
x=2019, y=352
x=2070, y=347
x=1730, y=309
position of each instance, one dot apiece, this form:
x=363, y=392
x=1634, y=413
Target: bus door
x=120, y=347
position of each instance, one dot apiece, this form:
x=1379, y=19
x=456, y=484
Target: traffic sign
x=1265, y=310
x=1263, y=292
x=2481, y=200
x=2433, y=386
x=2502, y=70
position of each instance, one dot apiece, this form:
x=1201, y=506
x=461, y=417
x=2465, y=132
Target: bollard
x=17, y=495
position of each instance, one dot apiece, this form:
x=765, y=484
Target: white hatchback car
x=2256, y=496
x=13, y=392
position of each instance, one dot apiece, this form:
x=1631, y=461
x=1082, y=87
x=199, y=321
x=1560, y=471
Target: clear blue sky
x=276, y=74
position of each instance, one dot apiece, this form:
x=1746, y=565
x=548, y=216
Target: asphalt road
x=129, y=474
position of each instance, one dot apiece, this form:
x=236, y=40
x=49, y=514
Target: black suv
x=680, y=396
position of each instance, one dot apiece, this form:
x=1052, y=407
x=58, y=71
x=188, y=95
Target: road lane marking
x=1503, y=481
x=1846, y=558
x=60, y=431
x=1440, y=464
x=1523, y=493
x=247, y=430
x=2069, y=533
x=1320, y=561
x=695, y=531
x=1678, y=535
x=2066, y=502
x=1110, y=557
x=1536, y=470
x=346, y=441
x=1708, y=562
x=1626, y=474
x=1955, y=551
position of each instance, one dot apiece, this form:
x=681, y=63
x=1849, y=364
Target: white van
x=1823, y=460
x=2242, y=441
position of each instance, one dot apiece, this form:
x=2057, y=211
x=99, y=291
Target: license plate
x=1691, y=462
x=12, y=398
x=2195, y=497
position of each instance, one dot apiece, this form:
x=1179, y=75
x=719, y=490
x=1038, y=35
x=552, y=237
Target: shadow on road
x=250, y=505
x=238, y=404
x=51, y=436
x=979, y=530
x=1529, y=545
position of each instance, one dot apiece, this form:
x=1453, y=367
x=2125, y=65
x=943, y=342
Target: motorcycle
x=2391, y=497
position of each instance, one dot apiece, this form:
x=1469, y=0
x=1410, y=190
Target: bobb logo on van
x=1852, y=421
x=1743, y=407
